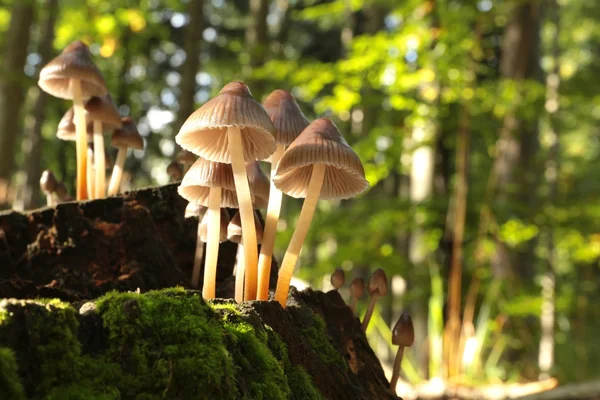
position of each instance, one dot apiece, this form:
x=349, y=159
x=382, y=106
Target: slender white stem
x=369, y=312
x=90, y=174
x=49, y=200
x=396, y=371
x=80, y=139
x=268, y=241
x=240, y=270
x=291, y=255
x=212, y=243
x=117, y=174
x=99, y=161
x=246, y=211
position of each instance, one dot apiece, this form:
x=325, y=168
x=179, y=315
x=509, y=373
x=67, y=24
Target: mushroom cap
x=234, y=229
x=175, y=170
x=286, y=115
x=403, y=333
x=66, y=127
x=205, y=131
x=321, y=143
x=127, y=136
x=259, y=184
x=103, y=109
x=185, y=157
x=338, y=278
x=62, y=192
x=194, y=210
x=48, y=182
x=378, y=283
x=75, y=62
x=203, y=228
x=357, y=287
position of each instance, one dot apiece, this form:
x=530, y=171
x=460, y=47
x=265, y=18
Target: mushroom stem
x=242, y=188
x=239, y=274
x=212, y=244
x=99, y=161
x=90, y=174
x=49, y=199
x=80, y=139
x=291, y=255
x=268, y=240
x=396, y=371
x=369, y=312
x=117, y=174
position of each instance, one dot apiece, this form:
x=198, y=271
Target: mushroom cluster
x=72, y=75
x=229, y=134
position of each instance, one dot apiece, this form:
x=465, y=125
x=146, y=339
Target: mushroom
x=233, y=128
x=259, y=184
x=127, y=137
x=62, y=193
x=289, y=122
x=175, y=171
x=205, y=184
x=194, y=210
x=338, y=278
x=48, y=184
x=378, y=287
x=318, y=164
x=403, y=335
x=234, y=234
x=66, y=128
x=90, y=172
x=357, y=290
x=102, y=113
x=72, y=75
x=186, y=159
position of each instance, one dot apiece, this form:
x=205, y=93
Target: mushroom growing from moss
x=233, y=128
x=338, y=278
x=319, y=164
x=72, y=75
x=127, y=137
x=289, y=122
x=48, y=184
x=403, y=335
x=378, y=287
x=357, y=290
x=234, y=234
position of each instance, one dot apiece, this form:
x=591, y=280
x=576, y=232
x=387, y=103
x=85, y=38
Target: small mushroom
x=90, y=171
x=378, y=287
x=175, y=171
x=186, y=159
x=319, y=164
x=233, y=128
x=289, y=122
x=48, y=184
x=72, y=75
x=259, y=184
x=357, y=290
x=62, y=193
x=204, y=234
x=234, y=234
x=338, y=278
x=403, y=335
x=127, y=137
x=194, y=210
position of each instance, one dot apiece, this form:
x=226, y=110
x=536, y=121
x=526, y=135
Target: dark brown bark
x=257, y=39
x=12, y=85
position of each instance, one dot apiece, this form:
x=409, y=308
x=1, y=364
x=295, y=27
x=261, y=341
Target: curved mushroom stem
x=212, y=244
x=80, y=139
x=239, y=274
x=268, y=240
x=369, y=312
x=99, y=161
x=396, y=371
x=291, y=255
x=117, y=174
x=90, y=174
x=242, y=188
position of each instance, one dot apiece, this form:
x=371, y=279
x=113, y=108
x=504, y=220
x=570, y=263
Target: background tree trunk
x=257, y=38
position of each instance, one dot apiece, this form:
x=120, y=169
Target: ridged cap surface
x=103, y=109
x=127, y=136
x=75, y=62
x=321, y=143
x=203, y=229
x=286, y=115
x=234, y=230
x=205, y=131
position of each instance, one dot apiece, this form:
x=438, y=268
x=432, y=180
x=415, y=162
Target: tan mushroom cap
x=62, y=192
x=48, y=182
x=205, y=131
x=403, y=333
x=66, y=127
x=259, y=184
x=234, y=230
x=286, y=115
x=185, y=157
x=128, y=136
x=357, y=288
x=103, y=109
x=175, y=171
x=338, y=278
x=378, y=283
x=321, y=143
x=75, y=62
x=203, y=229
x=194, y=210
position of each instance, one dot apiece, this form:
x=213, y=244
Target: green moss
x=317, y=337
x=10, y=384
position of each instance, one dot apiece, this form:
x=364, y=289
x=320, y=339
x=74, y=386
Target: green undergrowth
x=315, y=333
x=166, y=344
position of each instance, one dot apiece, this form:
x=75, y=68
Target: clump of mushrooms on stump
x=127, y=137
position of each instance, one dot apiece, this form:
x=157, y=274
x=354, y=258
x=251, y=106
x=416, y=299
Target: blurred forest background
x=477, y=122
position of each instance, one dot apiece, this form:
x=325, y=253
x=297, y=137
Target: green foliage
x=10, y=384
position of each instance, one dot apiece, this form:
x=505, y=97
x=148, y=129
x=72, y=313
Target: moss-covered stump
x=170, y=344
x=81, y=250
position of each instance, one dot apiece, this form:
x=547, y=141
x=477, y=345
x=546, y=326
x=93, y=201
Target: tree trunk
x=12, y=86
x=257, y=39
x=191, y=66
x=32, y=147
